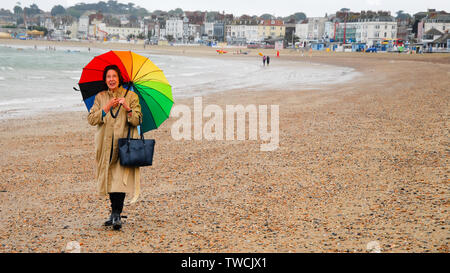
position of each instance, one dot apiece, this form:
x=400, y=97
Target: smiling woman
x=113, y=178
x=112, y=77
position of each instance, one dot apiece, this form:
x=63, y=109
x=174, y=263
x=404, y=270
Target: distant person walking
x=268, y=60
x=264, y=60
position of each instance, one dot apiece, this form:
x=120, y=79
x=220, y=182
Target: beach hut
x=319, y=46
x=358, y=47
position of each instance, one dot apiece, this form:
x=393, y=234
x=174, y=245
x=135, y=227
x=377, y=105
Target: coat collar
x=117, y=94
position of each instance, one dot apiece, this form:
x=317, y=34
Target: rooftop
x=443, y=39
x=433, y=31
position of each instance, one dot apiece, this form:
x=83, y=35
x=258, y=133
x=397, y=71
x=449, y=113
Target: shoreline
x=284, y=74
x=358, y=162
x=205, y=51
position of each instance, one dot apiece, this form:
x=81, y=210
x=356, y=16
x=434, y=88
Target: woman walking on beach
x=114, y=110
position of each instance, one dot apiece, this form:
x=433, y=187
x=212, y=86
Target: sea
x=35, y=80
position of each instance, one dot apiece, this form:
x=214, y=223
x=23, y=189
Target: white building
x=83, y=26
x=329, y=30
x=316, y=28
x=174, y=27
x=238, y=31
x=431, y=35
x=311, y=29
x=301, y=31
x=251, y=33
x=185, y=28
x=209, y=29
x=367, y=31
x=48, y=23
x=194, y=31
x=162, y=34
x=373, y=32
x=245, y=29
x=122, y=32
x=440, y=22
x=441, y=26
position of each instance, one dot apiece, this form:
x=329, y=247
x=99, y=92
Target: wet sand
x=358, y=162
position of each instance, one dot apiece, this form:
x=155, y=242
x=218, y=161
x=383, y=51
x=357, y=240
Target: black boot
x=109, y=221
x=116, y=221
x=113, y=199
x=117, y=199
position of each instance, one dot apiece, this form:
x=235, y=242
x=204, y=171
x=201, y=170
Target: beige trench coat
x=110, y=175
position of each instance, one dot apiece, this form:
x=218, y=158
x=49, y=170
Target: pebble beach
x=358, y=162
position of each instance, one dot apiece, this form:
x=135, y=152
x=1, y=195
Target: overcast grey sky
x=312, y=8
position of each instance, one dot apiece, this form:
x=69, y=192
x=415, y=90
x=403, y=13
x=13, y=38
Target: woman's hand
x=112, y=103
x=123, y=102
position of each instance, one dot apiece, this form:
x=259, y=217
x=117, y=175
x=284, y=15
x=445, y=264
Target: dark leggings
x=117, y=199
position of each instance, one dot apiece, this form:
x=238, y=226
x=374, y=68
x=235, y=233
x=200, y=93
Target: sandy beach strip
x=202, y=51
x=361, y=161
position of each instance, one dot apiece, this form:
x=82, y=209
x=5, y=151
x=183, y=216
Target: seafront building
x=344, y=29
x=270, y=29
x=243, y=31
x=369, y=32
x=175, y=28
x=437, y=21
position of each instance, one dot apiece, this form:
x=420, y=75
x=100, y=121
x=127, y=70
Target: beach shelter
x=35, y=33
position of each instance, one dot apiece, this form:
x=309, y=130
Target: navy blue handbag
x=136, y=152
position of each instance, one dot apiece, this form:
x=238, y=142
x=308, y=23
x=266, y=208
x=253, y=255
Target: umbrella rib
x=151, y=116
x=167, y=116
x=92, y=69
x=147, y=74
x=141, y=66
x=104, y=60
x=131, y=58
x=98, y=57
x=159, y=92
x=146, y=105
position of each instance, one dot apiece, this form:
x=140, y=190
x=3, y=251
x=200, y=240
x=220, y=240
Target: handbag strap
x=129, y=130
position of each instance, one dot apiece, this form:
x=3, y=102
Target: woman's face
x=112, y=79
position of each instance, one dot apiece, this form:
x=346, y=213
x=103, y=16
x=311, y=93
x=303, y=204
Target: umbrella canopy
x=140, y=75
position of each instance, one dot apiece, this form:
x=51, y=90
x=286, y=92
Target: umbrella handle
x=110, y=110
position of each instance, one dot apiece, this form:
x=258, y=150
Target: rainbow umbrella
x=140, y=75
